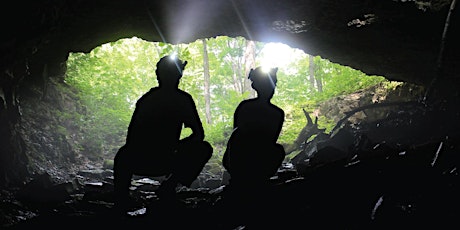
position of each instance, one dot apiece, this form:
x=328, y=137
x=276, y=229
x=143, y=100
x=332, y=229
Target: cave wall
x=401, y=40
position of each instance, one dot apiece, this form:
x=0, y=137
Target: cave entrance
x=114, y=75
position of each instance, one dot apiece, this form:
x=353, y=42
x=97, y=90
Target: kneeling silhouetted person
x=153, y=146
x=253, y=154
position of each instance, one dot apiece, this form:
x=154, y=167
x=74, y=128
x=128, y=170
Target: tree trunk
x=236, y=70
x=311, y=69
x=319, y=84
x=249, y=63
x=207, y=94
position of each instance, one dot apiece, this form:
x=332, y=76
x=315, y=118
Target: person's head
x=169, y=70
x=263, y=81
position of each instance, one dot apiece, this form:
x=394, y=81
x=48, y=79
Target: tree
x=249, y=63
x=311, y=68
x=207, y=94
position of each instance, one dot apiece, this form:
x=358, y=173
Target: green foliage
x=340, y=80
x=61, y=130
x=218, y=133
x=392, y=85
x=113, y=76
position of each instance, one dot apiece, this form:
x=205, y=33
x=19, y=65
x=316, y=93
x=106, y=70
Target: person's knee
x=202, y=150
x=281, y=153
x=121, y=153
x=207, y=149
x=122, y=160
x=118, y=160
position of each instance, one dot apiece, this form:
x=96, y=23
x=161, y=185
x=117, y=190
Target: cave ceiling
x=399, y=39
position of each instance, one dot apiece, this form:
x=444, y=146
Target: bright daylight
x=113, y=76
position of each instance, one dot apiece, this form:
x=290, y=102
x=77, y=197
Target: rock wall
x=337, y=108
x=411, y=41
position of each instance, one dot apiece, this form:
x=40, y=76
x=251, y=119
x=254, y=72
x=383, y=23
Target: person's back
x=259, y=120
x=153, y=146
x=158, y=119
x=253, y=155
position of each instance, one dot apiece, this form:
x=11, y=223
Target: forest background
x=110, y=79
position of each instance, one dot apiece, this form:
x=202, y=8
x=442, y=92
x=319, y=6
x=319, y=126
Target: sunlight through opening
x=112, y=77
x=278, y=55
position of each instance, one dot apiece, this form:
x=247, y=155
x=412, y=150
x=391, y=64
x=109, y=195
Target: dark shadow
x=153, y=146
x=253, y=155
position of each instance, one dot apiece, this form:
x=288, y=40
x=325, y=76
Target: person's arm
x=236, y=115
x=280, y=124
x=193, y=122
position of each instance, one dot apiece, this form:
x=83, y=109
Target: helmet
x=263, y=78
x=170, y=68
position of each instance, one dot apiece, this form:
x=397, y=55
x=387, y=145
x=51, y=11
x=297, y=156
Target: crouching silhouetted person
x=153, y=146
x=253, y=154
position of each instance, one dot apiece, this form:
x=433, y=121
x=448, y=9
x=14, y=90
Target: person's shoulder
x=152, y=90
x=247, y=101
x=183, y=97
x=281, y=113
x=148, y=93
x=244, y=103
x=183, y=93
x=278, y=109
x=144, y=95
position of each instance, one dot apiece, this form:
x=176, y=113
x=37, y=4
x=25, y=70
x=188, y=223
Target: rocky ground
x=391, y=191
x=87, y=202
